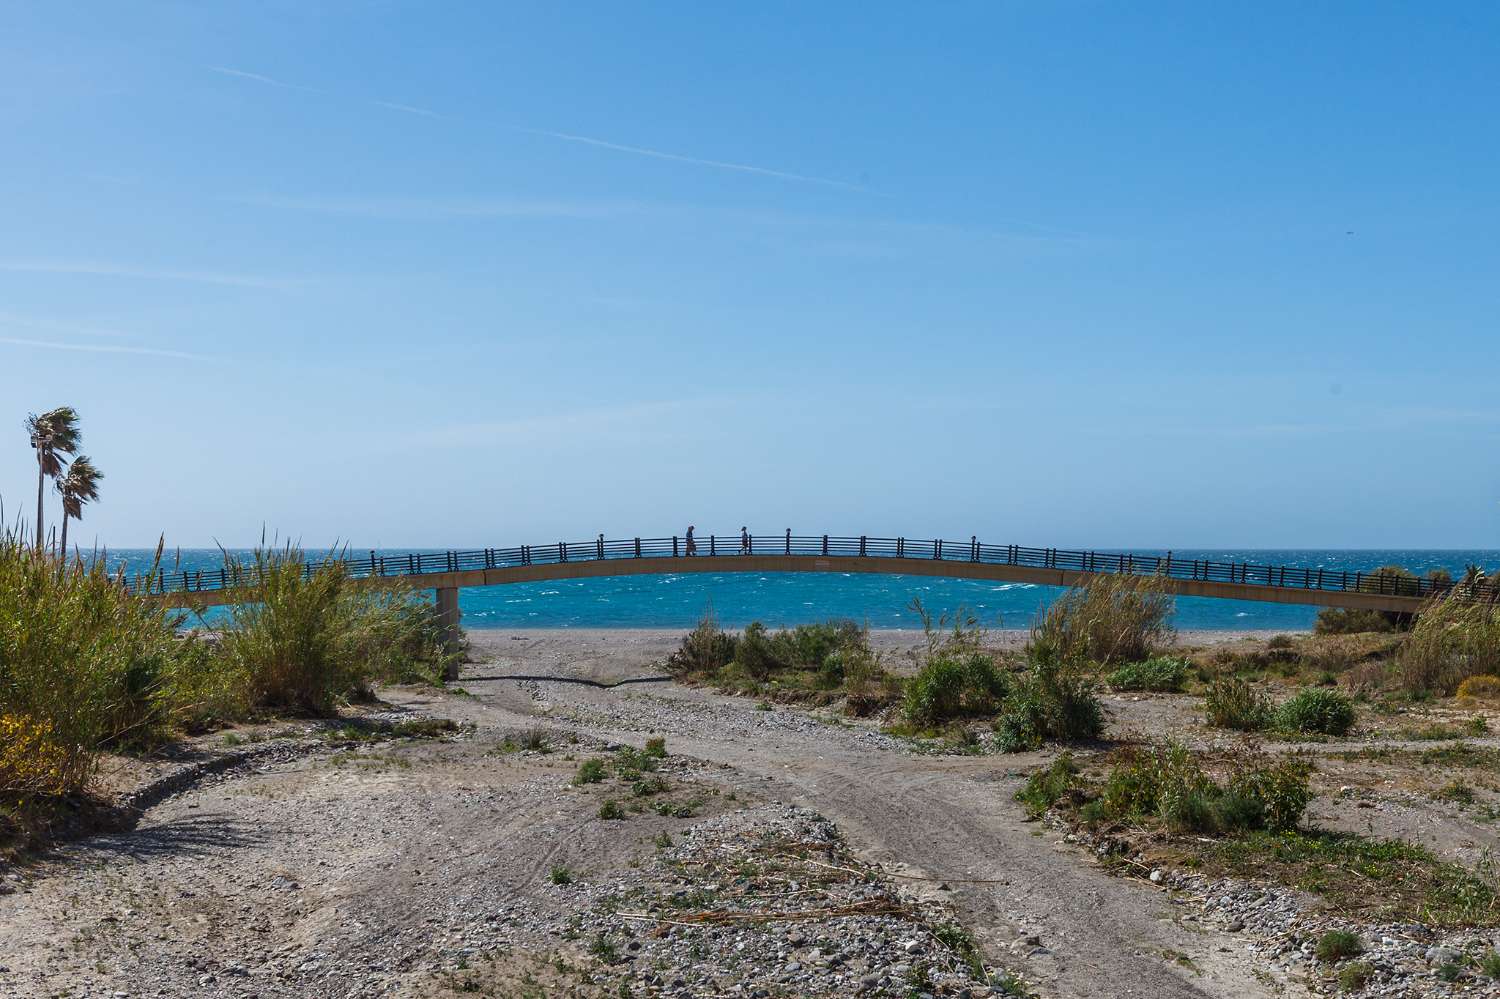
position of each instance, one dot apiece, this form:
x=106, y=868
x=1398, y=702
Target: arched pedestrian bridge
x=446, y=572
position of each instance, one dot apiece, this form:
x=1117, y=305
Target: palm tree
x=54, y=433
x=79, y=486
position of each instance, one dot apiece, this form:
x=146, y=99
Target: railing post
x=825, y=544
x=937, y=547
x=601, y=547
x=861, y=546
x=973, y=548
x=712, y=549
x=674, y=546
x=562, y=551
x=788, y=540
x=900, y=547
x=637, y=547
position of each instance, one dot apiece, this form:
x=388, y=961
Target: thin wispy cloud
x=53, y=326
x=101, y=348
x=100, y=269
x=585, y=140
x=660, y=154
x=258, y=78
x=439, y=209
x=408, y=109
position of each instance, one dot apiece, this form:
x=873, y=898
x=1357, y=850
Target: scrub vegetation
x=87, y=667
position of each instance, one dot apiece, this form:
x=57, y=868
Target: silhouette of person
x=744, y=541
x=692, y=546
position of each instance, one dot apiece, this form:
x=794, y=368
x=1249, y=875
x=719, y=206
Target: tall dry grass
x=312, y=639
x=1110, y=620
x=1451, y=640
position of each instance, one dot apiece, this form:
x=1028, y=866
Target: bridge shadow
x=580, y=681
x=188, y=836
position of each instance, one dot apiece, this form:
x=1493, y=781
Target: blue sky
x=1176, y=274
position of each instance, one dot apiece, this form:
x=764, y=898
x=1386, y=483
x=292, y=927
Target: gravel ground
x=303, y=867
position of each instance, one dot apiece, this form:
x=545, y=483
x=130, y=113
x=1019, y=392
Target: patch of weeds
x=1316, y=710
x=1233, y=703
x=602, y=948
x=1168, y=784
x=1441, y=731
x=763, y=706
x=590, y=771
x=1044, y=788
x=1455, y=791
x=663, y=840
x=1013, y=987
x=648, y=786
x=231, y=739
x=1450, y=971
x=1341, y=867
x=1355, y=976
x=630, y=763
x=961, y=942
x=1160, y=674
x=611, y=810
x=1052, y=701
x=677, y=809
x=560, y=875
x=656, y=747
x=1489, y=963
x=1339, y=945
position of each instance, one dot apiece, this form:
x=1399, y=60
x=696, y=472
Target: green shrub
x=1162, y=674
x=704, y=650
x=757, y=654
x=808, y=646
x=656, y=747
x=1315, y=710
x=1281, y=789
x=84, y=665
x=1045, y=787
x=1233, y=703
x=611, y=810
x=1167, y=783
x=1339, y=945
x=1111, y=620
x=1489, y=963
x=1051, y=701
x=1355, y=976
x=590, y=771
x=1349, y=621
x=951, y=686
x=560, y=875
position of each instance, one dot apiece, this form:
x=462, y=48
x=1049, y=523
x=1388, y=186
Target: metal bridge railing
x=416, y=564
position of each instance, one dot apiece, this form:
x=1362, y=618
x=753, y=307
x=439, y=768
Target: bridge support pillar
x=448, y=618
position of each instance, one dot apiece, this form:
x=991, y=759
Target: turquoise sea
x=883, y=601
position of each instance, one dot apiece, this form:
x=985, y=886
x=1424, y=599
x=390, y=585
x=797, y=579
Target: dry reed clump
x=313, y=639
x=1110, y=621
x=1452, y=640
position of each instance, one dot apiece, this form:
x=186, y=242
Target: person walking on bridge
x=692, y=546
x=744, y=541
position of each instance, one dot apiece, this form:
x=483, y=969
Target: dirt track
x=369, y=871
